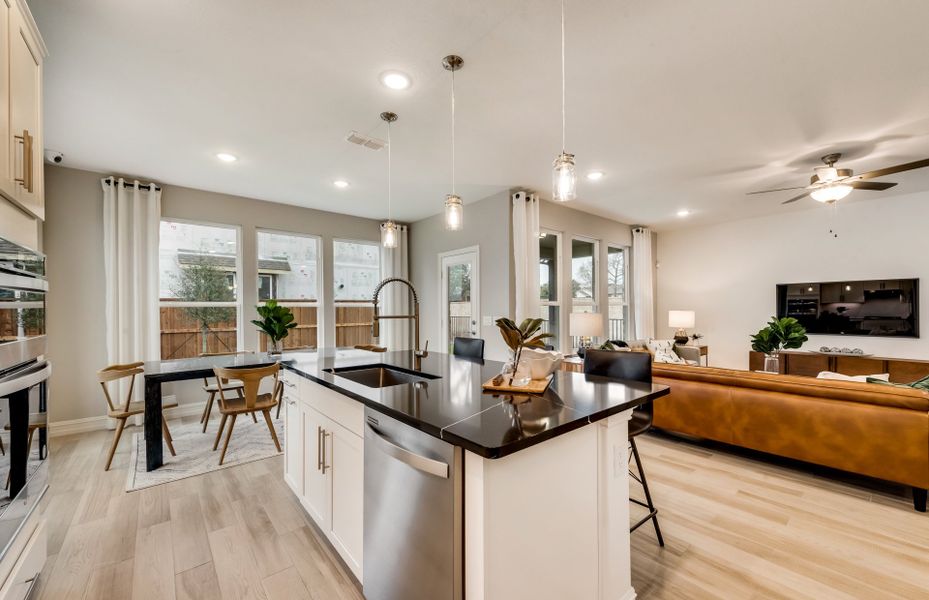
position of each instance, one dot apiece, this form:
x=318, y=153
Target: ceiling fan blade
x=774, y=190
x=795, y=198
x=877, y=186
x=918, y=164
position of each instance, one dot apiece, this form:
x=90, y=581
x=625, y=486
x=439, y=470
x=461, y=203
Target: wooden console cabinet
x=902, y=370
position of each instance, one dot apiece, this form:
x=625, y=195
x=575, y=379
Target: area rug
x=195, y=456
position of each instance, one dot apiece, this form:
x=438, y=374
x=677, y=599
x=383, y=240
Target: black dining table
x=158, y=372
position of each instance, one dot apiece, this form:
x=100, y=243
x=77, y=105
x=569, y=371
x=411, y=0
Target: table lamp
x=585, y=326
x=681, y=319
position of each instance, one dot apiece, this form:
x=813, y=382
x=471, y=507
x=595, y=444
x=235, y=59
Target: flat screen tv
x=878, y=307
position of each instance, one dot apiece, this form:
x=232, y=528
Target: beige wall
x=727, y=273
x=487, y=226
x=73, y=239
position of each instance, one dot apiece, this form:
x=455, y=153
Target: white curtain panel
x=131, y=217
x=526, y=254
x=395, y=298
x=643, y=292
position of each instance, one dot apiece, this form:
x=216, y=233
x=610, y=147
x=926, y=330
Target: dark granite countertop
x=455, y=408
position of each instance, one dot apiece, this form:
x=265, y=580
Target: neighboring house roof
x=227, y=261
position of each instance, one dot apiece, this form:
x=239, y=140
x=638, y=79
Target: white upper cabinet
x=22, y=51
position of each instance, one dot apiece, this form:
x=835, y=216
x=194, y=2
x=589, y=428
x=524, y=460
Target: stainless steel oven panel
x=20, y=351
x=25, y=378
x=15, y=281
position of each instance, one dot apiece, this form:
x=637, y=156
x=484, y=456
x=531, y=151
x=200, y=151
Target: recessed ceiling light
x=683, y=212
x=340, y=183
x=226, y=157
x=396, y=80
x=595, y=175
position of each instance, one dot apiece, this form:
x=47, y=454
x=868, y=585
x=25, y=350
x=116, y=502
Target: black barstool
x=468, y=347
x=636, y=366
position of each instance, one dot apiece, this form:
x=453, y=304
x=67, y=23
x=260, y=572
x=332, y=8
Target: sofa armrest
x=688, y=353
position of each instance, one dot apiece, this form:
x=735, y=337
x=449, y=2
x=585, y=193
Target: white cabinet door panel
x=347, y=452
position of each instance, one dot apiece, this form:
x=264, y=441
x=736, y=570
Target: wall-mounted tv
x=878, y=307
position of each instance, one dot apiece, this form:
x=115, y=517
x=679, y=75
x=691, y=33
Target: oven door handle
x=26, y=379
x=21, y=282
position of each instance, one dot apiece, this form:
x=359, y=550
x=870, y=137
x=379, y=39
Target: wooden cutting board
x=535, y=386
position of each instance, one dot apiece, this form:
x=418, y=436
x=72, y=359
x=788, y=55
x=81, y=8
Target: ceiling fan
x=829, y=183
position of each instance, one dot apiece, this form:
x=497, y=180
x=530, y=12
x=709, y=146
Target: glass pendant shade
x=454, y=213
x=564, y=178
x=389, y=234
x=831, y=193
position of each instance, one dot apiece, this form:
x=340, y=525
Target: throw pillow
x=919, y=384
x=663, y=352
x=859, y=378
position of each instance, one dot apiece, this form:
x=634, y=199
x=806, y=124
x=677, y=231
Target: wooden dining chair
x=36, y=421
x=211, y=388
x=249, y=402
x=121, y=410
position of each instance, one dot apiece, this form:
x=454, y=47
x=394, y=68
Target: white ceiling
x=682, y=104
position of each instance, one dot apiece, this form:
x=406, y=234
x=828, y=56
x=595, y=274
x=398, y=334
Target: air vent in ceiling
x=362, y=140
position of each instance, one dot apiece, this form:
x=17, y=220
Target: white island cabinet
x=324, y=462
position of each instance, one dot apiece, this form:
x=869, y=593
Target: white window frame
x=560, y=288
x=320, y=283
x=597, y=282
x=609, y=300
x=239, y=277
x=340, y=303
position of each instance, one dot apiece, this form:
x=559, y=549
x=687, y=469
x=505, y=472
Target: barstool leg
x=205, y=417
x=653, y=512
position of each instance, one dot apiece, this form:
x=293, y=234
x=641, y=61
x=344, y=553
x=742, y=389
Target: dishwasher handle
x=417, y=461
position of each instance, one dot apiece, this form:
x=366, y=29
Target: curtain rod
x=142, y=186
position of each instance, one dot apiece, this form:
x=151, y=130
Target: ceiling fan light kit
x=389, y=235
x=454, y=210
x=829, y=184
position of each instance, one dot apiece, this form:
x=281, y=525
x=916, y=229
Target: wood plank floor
x=735, y=527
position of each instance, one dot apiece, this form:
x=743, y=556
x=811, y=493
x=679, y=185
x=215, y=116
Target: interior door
x=460, y=295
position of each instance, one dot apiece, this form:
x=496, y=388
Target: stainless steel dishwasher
x=413, y=513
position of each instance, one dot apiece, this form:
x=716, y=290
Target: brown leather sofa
x=870, y=429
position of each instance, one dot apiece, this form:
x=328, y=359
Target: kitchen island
x=429, y=487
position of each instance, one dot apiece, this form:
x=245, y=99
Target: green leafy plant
x=780, y=334
x=524, y=335
x=276, y=321
x=204, y=282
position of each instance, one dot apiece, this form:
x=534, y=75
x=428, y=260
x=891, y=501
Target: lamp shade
x=585, y=324
x=681, y=319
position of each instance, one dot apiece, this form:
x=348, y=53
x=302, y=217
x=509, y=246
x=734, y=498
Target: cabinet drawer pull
x=26, y=180
x=319, y=448
x=325, y=466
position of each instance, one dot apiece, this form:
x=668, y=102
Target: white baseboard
x=98, y=423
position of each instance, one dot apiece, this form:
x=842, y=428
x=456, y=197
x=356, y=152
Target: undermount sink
x=378, y=376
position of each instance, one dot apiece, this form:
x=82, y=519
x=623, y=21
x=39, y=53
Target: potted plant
x=517, y=337
x=780, y=334
x=276, y=322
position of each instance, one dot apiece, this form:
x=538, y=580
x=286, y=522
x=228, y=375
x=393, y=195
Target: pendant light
x=454, y=211
x=388, y=227
x=564, y=175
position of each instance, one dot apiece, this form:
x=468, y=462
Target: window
x=617, y=292
x=288, y=267
x=356, y=271
x=583, y=278
x=549, y=282
x=199, y=302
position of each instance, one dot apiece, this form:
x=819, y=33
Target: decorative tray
x=535, y=386
x=830, y=353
